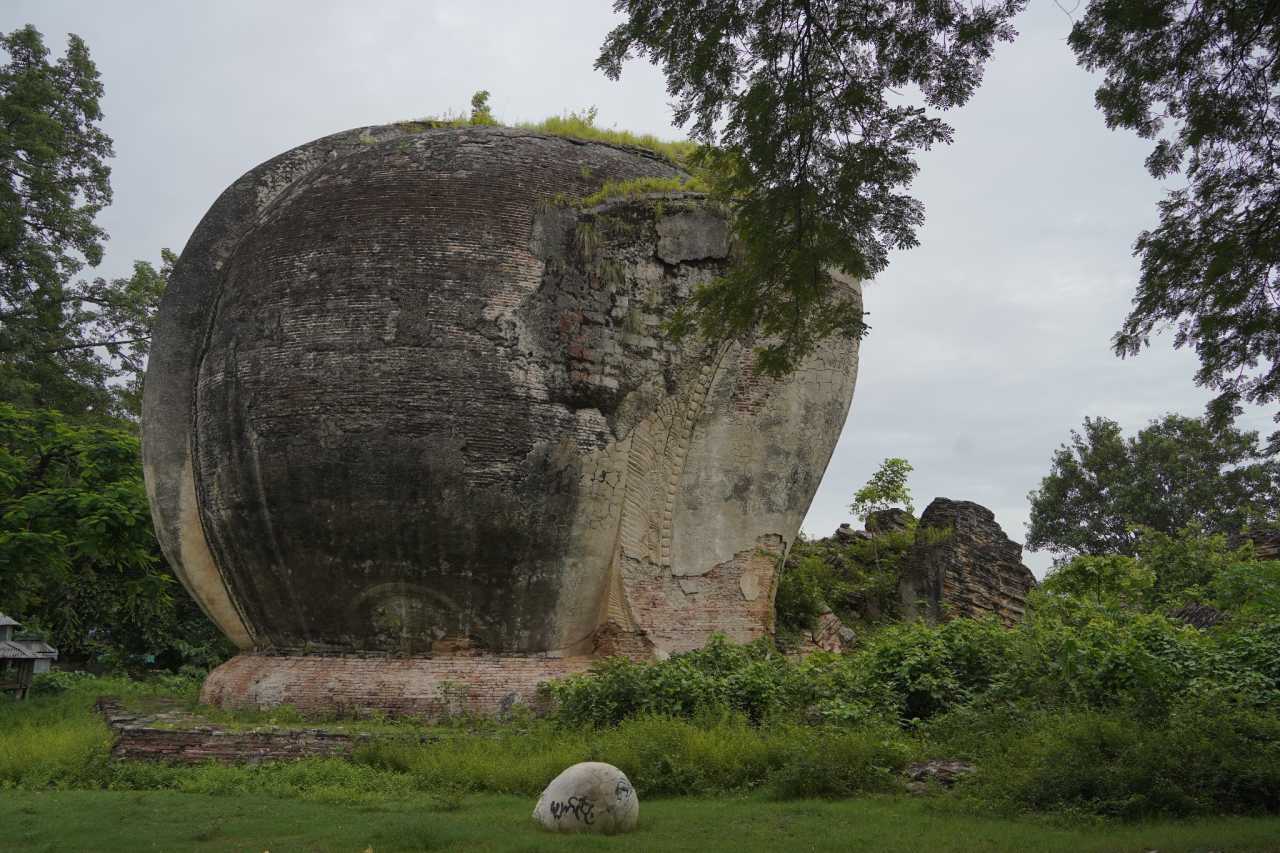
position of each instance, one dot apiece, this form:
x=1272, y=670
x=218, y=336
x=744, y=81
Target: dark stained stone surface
x=1198, y=615
x=338, y=393
x=888, y=520
x=399, y=403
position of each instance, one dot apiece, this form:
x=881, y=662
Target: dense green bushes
x=1067, y=655
x=1097, y=703
x=1207, y=756
x=1079, y=712
x=1094, y=704
x=81, y=564
x=858, y=580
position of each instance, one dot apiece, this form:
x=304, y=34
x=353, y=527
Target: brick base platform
x=179, y=738
x=427, y=687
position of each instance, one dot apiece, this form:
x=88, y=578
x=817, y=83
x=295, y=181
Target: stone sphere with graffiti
x=589, y=797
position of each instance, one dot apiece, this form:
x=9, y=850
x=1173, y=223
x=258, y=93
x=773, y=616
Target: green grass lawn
x=159, y=820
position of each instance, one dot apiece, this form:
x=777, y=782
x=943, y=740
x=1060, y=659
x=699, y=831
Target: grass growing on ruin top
x=636, y=187
x=630, y=189
x=582, y=126
x=572, y=124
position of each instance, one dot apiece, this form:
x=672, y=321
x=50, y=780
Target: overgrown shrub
x=82, y=568
x=905, y=672
x=1248, y=590
x=1244, y=664
x=1207, y=756
x=929, y=669
x=59, y=681
x=842, y=762
x=1186, y=563
x=662, y=755
x=1085, y=657
x=805, y=585
x=858, y=580
x=751, y=679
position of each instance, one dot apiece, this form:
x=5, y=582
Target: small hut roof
x=5, y=620
x=27, y=650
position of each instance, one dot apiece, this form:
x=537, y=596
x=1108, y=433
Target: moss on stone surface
x=614, y=190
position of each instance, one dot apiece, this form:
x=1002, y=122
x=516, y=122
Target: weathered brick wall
x=477, y=684
x=677, y=613
x=142, y=743
x=142, y=738
x=963, y=564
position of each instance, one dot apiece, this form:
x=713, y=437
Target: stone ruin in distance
x=414, y=437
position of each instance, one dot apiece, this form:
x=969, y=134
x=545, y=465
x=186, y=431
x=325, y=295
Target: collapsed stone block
x=963, y=564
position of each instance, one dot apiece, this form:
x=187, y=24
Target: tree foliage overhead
x=1178, y=471
x=56, y=180
x=798, y=107
x=62, y=341
x=1203, y=79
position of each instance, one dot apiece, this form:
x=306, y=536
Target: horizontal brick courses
x=427, y=687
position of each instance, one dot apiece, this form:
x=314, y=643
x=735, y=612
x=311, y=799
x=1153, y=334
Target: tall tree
x=797, y=106
x=62, y=340
x=887, y=488
x=1202, y=78
x=92, y=357
x=78, y=557
x=1102, y=487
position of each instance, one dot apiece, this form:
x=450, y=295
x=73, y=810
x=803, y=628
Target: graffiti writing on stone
x=622, y=792
x=581, y=807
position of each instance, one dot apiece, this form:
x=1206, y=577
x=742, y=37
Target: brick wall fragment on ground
x=146, y=738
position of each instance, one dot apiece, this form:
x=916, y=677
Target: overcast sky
x=989, y=341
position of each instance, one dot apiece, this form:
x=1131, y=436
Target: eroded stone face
x=400, y=404
x=963, y=564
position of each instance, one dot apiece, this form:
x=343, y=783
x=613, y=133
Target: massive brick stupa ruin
x=413, y=434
